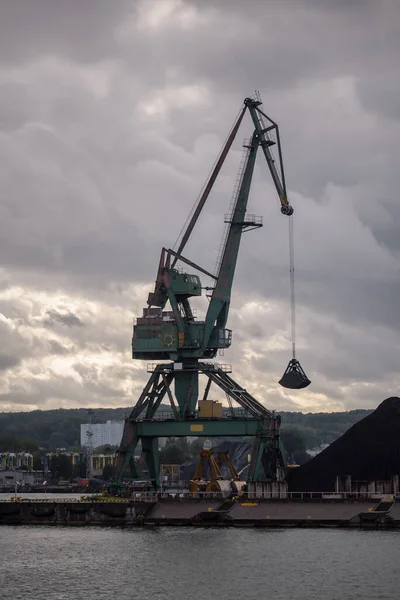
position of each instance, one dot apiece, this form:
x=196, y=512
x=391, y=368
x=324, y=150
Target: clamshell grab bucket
x=294, y=378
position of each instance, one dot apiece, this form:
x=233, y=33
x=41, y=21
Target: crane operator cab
x=294, y=378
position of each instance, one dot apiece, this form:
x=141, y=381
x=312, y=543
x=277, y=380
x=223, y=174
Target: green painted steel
x=183, y=284
x=152, y=456
x=265, y=453
x=200, y=428
x=218, y=308
x=157, y=341
x=187, y=391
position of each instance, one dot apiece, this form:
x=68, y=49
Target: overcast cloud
x=111, y=117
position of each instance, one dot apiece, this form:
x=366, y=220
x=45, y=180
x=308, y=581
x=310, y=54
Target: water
x=54, y=563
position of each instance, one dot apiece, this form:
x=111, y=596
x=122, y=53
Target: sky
x=112, y=115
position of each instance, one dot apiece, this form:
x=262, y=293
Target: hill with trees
x=52, y=429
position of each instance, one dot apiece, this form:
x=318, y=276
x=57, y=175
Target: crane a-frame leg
x=145, y=425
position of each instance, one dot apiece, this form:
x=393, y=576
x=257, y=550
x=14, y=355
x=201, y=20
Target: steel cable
x=292, y=291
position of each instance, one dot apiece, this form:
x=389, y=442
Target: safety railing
x=234, y=413
x=249, y=219
x=329, y=496
x=178, y=495
x=151, y=367
x=253, y=497
x=164, y=415
x=225, y=367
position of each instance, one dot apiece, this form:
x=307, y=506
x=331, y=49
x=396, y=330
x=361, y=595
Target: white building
x=102, y=433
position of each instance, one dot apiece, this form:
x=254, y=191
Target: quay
x=158, y=510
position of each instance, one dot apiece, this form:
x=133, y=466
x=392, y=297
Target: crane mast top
x=264, y=126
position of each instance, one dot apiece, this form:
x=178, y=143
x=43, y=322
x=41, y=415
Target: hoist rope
x=292, y=292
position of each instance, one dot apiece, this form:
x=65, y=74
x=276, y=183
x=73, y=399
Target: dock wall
x=195, y=512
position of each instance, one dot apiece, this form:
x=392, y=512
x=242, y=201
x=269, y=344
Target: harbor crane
x=175, y=335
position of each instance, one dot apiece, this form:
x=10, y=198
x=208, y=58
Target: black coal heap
x=370, y=450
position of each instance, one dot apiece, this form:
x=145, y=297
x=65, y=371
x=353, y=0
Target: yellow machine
x=216, y=481
x=209, y=409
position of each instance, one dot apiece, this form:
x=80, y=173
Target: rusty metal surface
x=180, y=510
x=289, y=511
x=394, y=513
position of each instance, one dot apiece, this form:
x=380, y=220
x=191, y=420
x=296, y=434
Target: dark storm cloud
x=58, y=349
x=291, y=40
x=83, y=29
x=63, y=215
x=381, y=95
x=15, y=108
x=68, y=318
x=111, y=116
x=7, y=361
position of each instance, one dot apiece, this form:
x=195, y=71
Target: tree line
x=48, y=430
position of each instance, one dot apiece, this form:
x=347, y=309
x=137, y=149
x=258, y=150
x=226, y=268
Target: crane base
x=147, y=425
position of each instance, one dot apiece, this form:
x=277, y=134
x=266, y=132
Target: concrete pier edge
x=381, y=513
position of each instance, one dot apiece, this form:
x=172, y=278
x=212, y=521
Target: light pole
x=89, y=452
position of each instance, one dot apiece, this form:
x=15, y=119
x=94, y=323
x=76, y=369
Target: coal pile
x=368, y=451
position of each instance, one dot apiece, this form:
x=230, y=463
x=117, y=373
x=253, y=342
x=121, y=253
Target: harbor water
x=59, y=563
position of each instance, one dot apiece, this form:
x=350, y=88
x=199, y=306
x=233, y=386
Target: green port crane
x=175, y=335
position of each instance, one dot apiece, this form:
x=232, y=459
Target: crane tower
x=169, y=331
